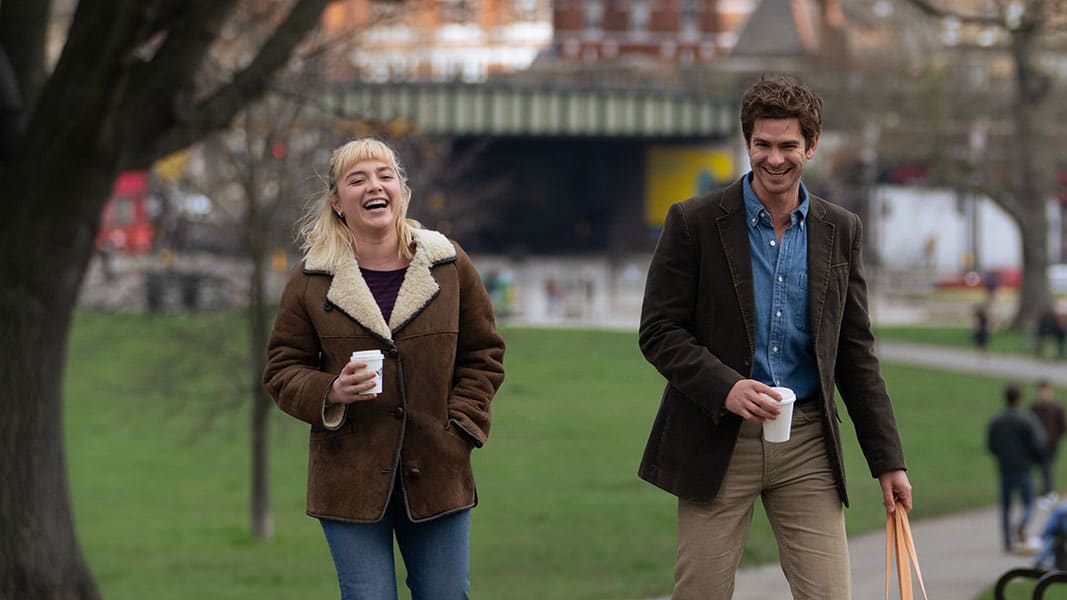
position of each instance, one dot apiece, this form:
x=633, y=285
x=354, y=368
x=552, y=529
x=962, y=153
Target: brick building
x=683, y=32
x=436, y=40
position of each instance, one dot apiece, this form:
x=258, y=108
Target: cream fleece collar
x=349, y=292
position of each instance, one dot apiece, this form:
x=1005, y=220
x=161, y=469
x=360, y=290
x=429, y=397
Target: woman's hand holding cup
x=354, y=384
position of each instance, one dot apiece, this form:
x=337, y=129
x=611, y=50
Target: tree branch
x=23, y=31
x=188, y=34
x=932, y=10
x=218, y=109
x=77, y=101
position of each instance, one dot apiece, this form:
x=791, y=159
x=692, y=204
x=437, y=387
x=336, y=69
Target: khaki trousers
x=796, y=483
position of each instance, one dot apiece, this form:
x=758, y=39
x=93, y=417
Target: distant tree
x=1015, y=172
x=258, y=174
x=134, y=82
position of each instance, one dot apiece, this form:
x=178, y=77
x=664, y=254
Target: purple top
x=384, y=285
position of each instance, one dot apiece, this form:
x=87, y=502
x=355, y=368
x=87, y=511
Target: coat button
x=412, y=469
x=398, y=412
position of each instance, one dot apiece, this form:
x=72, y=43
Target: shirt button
x=772, y=242
x=778, y=314
x=753, y=219
x=774, y=349
x=779, y=279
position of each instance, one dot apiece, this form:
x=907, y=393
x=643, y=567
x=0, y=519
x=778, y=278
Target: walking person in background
x=1050, y=326
x=1016, y=440
x=1050, y=415
x=981, y=326
x=396, y=462
x=1053, y=551
x=755, y=285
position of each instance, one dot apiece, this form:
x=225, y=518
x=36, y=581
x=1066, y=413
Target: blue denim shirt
x=784, y=350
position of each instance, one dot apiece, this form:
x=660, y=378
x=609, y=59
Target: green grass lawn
x=159, y=461
x=1004, y=341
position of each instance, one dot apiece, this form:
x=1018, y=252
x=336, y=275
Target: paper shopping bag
x=898, y=542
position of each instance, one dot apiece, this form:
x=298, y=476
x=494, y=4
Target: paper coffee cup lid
x=787, y=395
x=360, y=354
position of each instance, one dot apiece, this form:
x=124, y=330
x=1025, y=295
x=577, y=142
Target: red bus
x=126, y=226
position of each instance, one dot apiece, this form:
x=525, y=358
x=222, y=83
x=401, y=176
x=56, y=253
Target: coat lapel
x=820, y=249
x=419, y=286
x=733, y=232
x=350, y=293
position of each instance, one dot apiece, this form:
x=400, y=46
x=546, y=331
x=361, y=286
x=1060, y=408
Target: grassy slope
x=159, y=468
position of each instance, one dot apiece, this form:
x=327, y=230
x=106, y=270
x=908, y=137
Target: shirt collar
x=753, y=206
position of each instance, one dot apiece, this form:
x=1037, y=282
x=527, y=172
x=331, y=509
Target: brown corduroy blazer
x=697, y=329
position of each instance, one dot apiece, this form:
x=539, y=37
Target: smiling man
x=754, y=286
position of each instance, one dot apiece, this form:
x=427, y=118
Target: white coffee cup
x=374, y=360
x=777, y=429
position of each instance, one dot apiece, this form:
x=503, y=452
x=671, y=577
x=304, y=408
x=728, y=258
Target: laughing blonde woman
x=396, y=463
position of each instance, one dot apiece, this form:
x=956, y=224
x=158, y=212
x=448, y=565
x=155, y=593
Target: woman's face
x=370, y=196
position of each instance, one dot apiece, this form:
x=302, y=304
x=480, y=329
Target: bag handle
x=898, y=540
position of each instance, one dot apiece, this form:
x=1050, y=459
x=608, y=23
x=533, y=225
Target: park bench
x=1046, y=578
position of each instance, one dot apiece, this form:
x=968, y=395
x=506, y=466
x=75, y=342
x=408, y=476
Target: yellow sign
x=172, y=167
x=279, y=260
x=675, y=173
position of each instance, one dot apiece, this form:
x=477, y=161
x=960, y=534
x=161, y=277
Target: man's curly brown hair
x=782, y=98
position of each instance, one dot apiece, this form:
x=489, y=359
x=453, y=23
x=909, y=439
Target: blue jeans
x=1009, y=482
x=1048, y=471
x=436, y=554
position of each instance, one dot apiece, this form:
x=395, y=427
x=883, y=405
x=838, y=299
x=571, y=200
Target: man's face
x=777, y=154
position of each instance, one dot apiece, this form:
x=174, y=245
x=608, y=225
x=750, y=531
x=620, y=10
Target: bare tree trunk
x=1030, y=202
x=262, y=405
x=110, y=103
x=1034, y=297
x=42, y=262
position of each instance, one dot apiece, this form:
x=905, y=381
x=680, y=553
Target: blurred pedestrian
x=728, y=313
x=554, y=294
x=394, y=463
x=991, y=281
x=1053, y=551
x=1016, y=441
x=1050, y=326
x=981, y=326
x=1049, y=414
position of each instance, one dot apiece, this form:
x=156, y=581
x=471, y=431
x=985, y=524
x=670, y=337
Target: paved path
x=1018, y=367
x=960, y=554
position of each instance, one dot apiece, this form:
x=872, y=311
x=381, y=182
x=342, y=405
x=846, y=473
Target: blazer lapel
x=820, y=254
x=733, y=232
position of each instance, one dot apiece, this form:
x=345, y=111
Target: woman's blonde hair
x=324, y=238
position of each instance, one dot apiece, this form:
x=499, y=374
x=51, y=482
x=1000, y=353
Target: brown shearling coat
x=698, y=330
x=443, y=364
